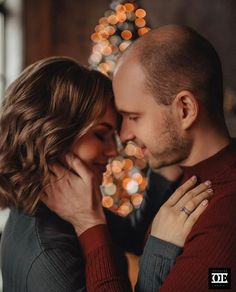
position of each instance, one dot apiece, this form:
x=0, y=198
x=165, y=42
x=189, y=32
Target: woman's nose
x=111, y=148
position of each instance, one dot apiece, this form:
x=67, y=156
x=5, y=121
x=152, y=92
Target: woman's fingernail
x=209, y=190
x=194, y=178
x=205, y=202
x=208, y=183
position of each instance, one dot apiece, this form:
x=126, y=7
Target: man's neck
x=206, y=144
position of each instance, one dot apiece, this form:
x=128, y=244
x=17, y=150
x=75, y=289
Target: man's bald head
x=176, y=58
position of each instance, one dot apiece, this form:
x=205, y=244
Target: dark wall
x=215, y=19
x=63, y=27
x=60, y=27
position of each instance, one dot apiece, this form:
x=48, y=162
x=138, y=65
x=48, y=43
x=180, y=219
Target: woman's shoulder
x=43, y=230
x=46, y=249
x=54, y=232
x=61, y=253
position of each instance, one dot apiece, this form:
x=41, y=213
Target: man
x=168, y=87
x=169, y=90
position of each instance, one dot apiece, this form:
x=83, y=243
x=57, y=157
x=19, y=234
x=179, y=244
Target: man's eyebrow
x=128, y=113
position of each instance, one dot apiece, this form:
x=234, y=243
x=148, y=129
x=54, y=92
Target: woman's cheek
x=87, y=151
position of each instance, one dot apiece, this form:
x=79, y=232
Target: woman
x=54, y=106
x=57, y=116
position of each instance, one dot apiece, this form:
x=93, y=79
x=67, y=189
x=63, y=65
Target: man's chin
x=155, y=164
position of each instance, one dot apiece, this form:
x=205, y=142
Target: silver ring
x=185, y=210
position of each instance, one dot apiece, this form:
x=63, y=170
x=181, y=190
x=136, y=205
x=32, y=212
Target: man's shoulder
x=218, y=220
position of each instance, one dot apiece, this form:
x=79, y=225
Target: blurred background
x=31, y=30
x=95, y=32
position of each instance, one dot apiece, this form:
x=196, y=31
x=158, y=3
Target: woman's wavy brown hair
x=52, y=103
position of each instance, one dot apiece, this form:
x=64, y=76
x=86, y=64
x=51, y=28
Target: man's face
x=154, y=127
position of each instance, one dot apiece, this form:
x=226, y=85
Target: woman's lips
x=101, y=167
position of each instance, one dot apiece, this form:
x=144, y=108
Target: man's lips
x=144, y=150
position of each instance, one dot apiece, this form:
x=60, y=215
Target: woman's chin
x=99, y=174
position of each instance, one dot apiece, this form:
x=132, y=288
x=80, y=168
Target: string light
x=140, y=13
x=124, y=181
x=116, y=30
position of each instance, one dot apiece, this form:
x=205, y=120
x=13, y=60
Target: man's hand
x=74, y=195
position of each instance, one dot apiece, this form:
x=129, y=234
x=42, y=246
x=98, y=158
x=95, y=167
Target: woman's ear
x=187, y=108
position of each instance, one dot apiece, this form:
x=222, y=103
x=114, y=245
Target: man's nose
x=126, y=134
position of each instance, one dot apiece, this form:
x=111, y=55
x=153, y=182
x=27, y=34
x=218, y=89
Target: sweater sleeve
x=105, y=269
x=158, y=258
x=211, y=244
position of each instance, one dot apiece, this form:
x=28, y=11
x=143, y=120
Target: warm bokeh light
x=126, y=34
x=95, y=58
x=124, y=181
x=109, y=13
x=110, y=29
x=130, y=16
x=112, y=19
x=140, y=22
x=140, y=13
x=120, y=8
x=138, y=177
x=107, y=202
x=140, y=163
x=94, y=37
x=99, y=27
x=116, y=30
x=124, y=209
x=103, y=20
x=143, y=30
x=102, y=35
x=130, y=149
x=121, y=17
x=128, y=163
x=115, y=40
x=136, y=200
x=107, y=51
x=129, y=7
x=124, y=45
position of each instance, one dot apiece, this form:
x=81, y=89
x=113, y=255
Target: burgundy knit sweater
x=211, y=243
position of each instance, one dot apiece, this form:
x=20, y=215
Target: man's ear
x=187, y=108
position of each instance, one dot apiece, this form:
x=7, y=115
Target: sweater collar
x=214, y=165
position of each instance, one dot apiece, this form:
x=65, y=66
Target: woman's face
x=98, y=145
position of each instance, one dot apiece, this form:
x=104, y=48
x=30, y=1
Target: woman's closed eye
x=99, y=136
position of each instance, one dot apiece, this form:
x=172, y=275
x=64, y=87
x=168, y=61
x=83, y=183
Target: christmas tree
x=120, y=25
x=124, y=181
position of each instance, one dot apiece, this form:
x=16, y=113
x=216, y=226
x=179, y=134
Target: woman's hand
x=74, y=195
x=177, y=216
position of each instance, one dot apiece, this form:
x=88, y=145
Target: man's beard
x=177, y=148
